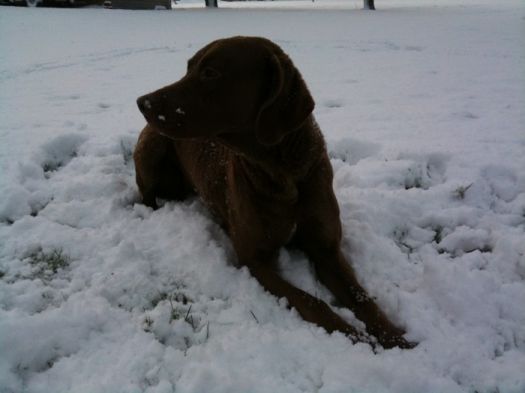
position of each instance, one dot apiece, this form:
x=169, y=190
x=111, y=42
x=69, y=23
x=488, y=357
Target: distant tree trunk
x=369, y=4
x=211, y=3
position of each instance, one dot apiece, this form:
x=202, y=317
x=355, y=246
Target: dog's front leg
x=309, y=307
x=337, y=275
x=157, y=169
x=319, y=235
x=259, y=227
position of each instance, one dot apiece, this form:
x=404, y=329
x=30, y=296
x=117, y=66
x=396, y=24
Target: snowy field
x=423, y=107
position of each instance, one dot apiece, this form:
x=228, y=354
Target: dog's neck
x=292, y=156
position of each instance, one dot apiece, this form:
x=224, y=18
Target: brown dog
x=238, y=130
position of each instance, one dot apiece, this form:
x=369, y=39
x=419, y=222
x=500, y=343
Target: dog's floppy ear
x=287, y=104
x=196, y=58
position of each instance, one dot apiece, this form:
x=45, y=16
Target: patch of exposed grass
x=400, y=237
x=48, y=263
x=438, y=234
x=461, y=191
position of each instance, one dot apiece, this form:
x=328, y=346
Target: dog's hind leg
x=157, y=168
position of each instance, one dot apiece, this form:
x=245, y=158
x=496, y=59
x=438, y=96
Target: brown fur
x=238, y=130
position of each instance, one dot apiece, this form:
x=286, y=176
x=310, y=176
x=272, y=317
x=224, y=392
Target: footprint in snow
x=466, y=115
x=333, y=103
x=465, y=240
x=58, y=152
x=414, y=48
x=503, y=182
x=424, y=171
x=351, y=151
x=68, y=97
x=498, y=188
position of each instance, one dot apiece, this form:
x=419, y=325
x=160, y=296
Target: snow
x=422, y=105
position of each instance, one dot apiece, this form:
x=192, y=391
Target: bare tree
x=369, y=5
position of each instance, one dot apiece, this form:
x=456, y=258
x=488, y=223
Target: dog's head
x=233, y=85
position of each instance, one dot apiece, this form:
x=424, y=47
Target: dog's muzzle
x=146, y=106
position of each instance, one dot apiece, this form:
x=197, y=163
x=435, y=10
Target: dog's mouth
x=161, y=119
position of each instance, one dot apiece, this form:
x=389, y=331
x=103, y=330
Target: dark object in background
x=52, y=3
x=369, y=5
x=138, y=4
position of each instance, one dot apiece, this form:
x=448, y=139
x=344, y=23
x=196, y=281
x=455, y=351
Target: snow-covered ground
x=423, y=106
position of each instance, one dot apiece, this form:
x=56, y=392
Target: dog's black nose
x=144, y=104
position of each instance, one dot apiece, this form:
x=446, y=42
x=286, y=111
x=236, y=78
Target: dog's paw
x=399, y=341
x=151, y=203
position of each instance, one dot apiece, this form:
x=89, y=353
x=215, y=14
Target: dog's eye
x=209, y=73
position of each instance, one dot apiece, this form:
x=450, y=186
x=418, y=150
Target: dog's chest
x=235, y=189
x=205, y=165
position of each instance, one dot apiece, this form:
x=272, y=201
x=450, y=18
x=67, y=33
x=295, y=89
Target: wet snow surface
x=422, y=105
